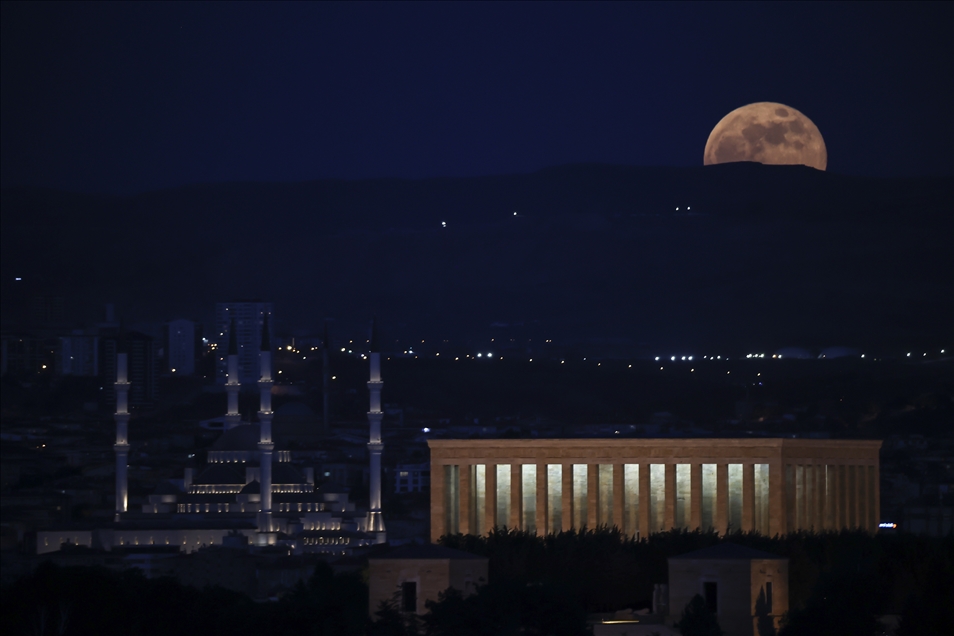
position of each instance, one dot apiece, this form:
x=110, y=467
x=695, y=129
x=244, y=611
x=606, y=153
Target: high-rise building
x=181, y=336
x=143, y=367
x=79, y=354
x=248, y=317
x=26, y=355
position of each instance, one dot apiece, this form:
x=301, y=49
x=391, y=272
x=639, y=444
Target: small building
x=742, y=586
x=412, y=478
x=414, y=574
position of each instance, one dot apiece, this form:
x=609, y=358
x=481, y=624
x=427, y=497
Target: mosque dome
x=241, y=438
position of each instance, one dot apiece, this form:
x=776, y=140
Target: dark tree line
x=839, y=583
x=77, y=601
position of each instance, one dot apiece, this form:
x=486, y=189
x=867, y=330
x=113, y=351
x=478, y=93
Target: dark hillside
x=766, y=256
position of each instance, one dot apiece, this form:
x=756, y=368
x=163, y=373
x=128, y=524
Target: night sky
x=128, y=97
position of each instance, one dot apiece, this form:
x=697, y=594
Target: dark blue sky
x=126, y=97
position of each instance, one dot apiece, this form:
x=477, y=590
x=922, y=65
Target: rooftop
x=725, y=551
x=413, y=551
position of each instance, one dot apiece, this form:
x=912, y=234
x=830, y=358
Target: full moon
x=766, y=132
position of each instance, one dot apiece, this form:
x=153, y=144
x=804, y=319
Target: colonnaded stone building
x=643, y=486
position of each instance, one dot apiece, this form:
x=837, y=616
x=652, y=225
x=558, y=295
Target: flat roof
x=667, y=442
x=413, y=551
x=728, y=551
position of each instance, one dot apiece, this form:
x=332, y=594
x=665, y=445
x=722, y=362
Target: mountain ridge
x=833, y=244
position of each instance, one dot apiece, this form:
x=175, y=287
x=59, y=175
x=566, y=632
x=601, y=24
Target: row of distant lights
x=490, y=355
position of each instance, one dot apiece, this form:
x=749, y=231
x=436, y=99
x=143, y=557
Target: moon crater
x=769, y=133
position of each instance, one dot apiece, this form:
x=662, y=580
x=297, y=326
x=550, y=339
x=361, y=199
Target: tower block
x=121, y=447
x=375, y=445
x=326, y=383
x=232, y=383
x=265, y=444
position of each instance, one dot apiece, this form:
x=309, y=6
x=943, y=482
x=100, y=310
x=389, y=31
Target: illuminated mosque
x=248, y=487
x=642, y=486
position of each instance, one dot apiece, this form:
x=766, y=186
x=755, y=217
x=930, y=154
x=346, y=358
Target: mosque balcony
x=216, y=489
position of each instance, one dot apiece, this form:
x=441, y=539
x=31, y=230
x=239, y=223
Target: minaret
x=265, y=445
x=232, y=384
x=326, y=383
x=375, y=445
x=122, y=426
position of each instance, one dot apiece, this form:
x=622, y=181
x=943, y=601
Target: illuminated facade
x=247, y=486
x=121, y=447
x=642, y=486
x=375, y=444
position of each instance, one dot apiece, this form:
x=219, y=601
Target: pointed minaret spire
x=326, y=382
x=121, y=447
x=265, y=445
x=375, y=445
x=232, y=384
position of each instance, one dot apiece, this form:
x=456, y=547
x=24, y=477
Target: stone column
x=567, y=496
x=542, y=514
x=516, y=495
x=592, y=495
x=465, y=524
x=809, y=496
x=695, y=496
x=831, y=498
x=819, y=516
x=799, y=495
x=853, y=496
x=790, y=494
x=861, y=496
x=619, y=507
x=722, y=498
x=490, y=497
x=644, y=500
x=437, y=500
x=748, y=497
x=841, y=519
x=670, y=514
x=778, y=522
